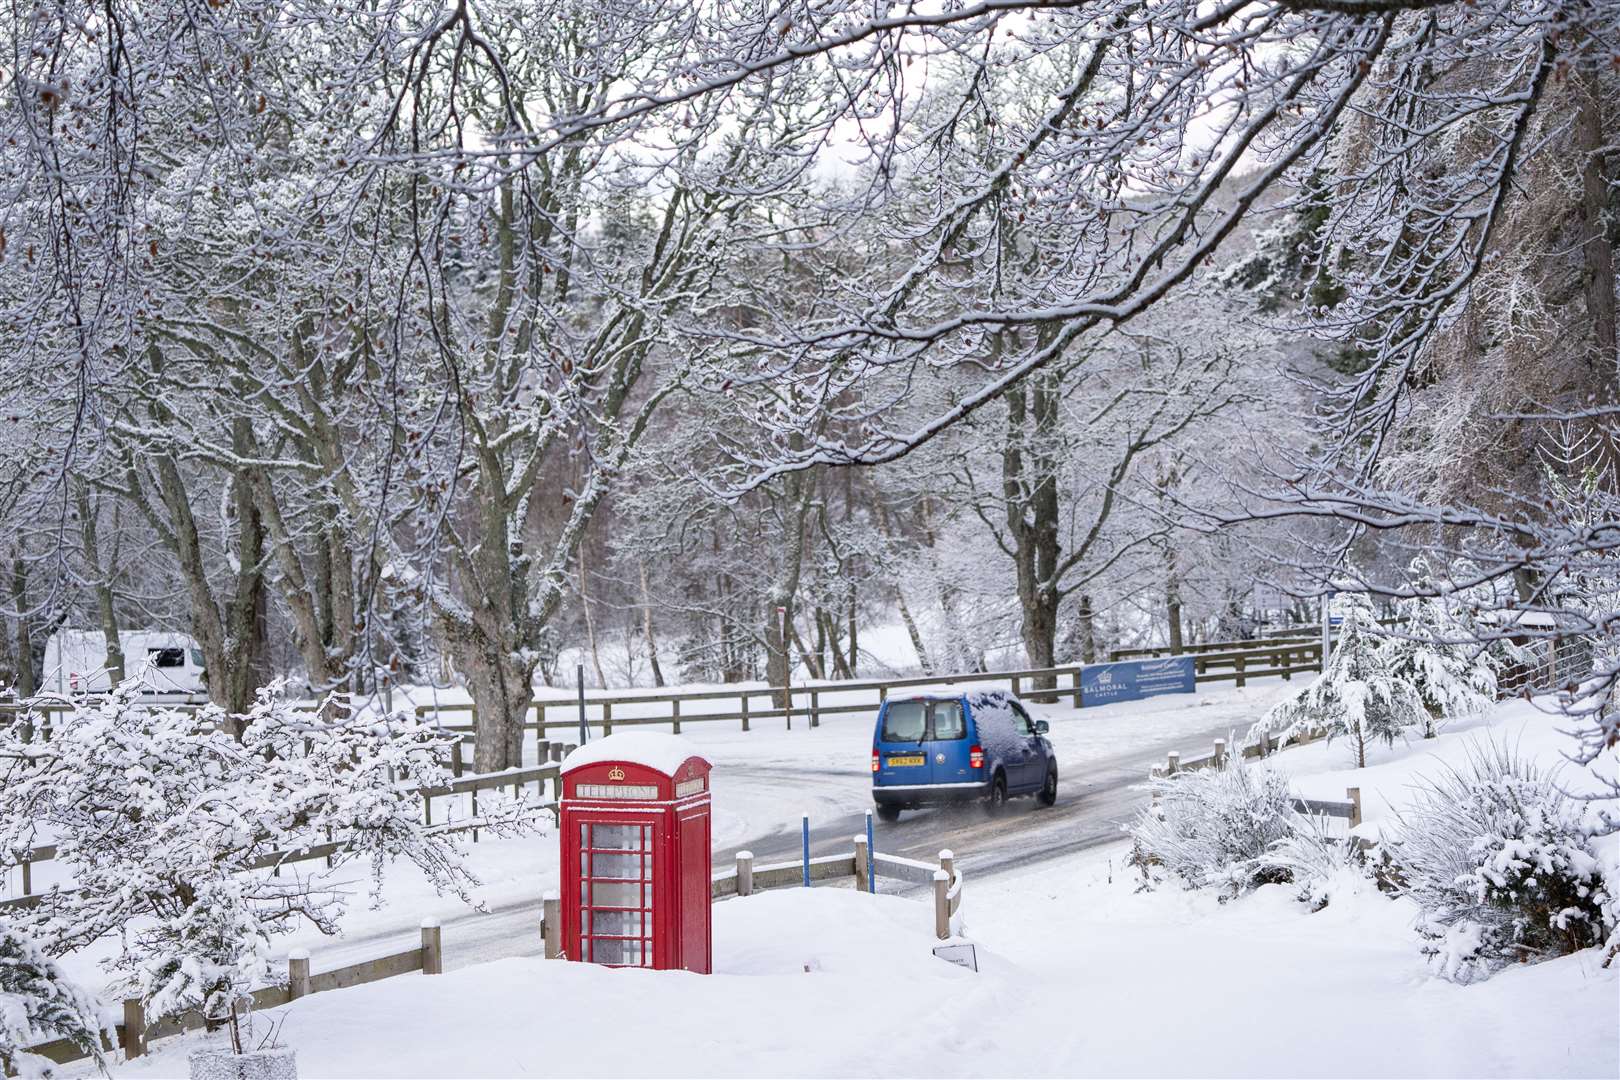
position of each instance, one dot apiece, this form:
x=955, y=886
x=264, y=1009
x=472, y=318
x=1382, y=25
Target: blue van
x=983, y=744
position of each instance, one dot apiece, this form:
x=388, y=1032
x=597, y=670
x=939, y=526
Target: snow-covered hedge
x=1503, y=865
x=1221, y=827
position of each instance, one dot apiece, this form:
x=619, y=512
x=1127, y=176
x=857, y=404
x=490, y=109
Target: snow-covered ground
x=1081, y=974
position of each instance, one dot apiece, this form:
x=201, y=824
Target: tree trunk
x=1088, y=632
x=26, y=686
x=778, y=666
x=1029, y=488
x=1597, y=248
x=590, y=624
x=103, y=584
x=647, y=628
x=853, y=663
x=1172, y=595
x=913, y=633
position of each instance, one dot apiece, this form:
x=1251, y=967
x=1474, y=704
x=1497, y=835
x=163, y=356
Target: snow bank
x=807, y=982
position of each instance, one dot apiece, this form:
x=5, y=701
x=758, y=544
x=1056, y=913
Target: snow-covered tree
x=39, y=1003
x=1503, y=865
x=1359, y=695
x=169, y=825
x=1436, y=649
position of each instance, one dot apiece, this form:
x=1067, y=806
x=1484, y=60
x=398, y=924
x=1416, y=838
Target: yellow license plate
x=907, y=759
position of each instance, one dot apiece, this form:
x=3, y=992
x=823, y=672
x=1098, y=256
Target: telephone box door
x=618, y=886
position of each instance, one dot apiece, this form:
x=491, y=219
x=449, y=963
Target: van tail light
x=874, y=761
x=976, y=756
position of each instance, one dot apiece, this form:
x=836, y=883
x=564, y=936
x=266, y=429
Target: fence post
x=675, y=715
x=883, y=694
x=427, y=809
x=297, y=974
x=1015, y=685
x=455, y=758
x=1354, y=795
x=947, y=861
x=134, y=1029
x=551, y=924
x=607, y=718
x=860, y=862
x=432, y=948
x=1286, y=662
x=474, y=794
x=1172, y=762
x=745, y=873
x=556, y=751
x=27, y=877
x=1075, y=679
x=745, y=710
x=1220, y=753
x=815, y=708
x=1241, y=681
x=942, y=905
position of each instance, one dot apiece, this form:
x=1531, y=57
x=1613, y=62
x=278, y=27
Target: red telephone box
x=635, y=853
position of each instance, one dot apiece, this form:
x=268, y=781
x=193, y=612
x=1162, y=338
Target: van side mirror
x=1042, y=727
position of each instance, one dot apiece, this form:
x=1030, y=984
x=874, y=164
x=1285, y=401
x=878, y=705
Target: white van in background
x=169, y=662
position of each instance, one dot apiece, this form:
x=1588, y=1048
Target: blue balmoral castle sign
x=1132, y=680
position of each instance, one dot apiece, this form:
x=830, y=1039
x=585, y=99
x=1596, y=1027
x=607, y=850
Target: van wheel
x=1048, y=793
x=998, y=795
x=888, y=813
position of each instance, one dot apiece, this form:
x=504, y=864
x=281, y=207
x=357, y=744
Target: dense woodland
x=424, y=342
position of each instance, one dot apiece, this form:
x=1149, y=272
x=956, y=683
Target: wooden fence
x=1236, y=666
x=1348, y=808
x=470, y=785
x=134, y=1033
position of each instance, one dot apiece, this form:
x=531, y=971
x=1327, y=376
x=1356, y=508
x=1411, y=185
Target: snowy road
x=1095, y=796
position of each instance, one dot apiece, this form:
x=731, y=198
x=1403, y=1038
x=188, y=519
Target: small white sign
x=961, y=955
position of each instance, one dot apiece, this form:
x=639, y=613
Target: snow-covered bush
x=1216, y=827
x=166, y=823
x=1503, y=866
x=1359, y=695
x=37, y=1004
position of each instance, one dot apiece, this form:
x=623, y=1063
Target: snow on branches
x=38, y=1003
x=169, y=825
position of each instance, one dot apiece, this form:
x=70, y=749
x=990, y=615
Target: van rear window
x=905, y=721
x=920, y=721
x=167, y=657
x=948, y=722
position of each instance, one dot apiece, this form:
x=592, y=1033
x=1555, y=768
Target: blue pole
x=807, y=851
x=871, y=856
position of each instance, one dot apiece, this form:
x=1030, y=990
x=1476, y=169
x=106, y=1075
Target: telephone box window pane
x=625, y=867
x=617, y=923
x=614, y=951
x=625, y=894
x=616, y=837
